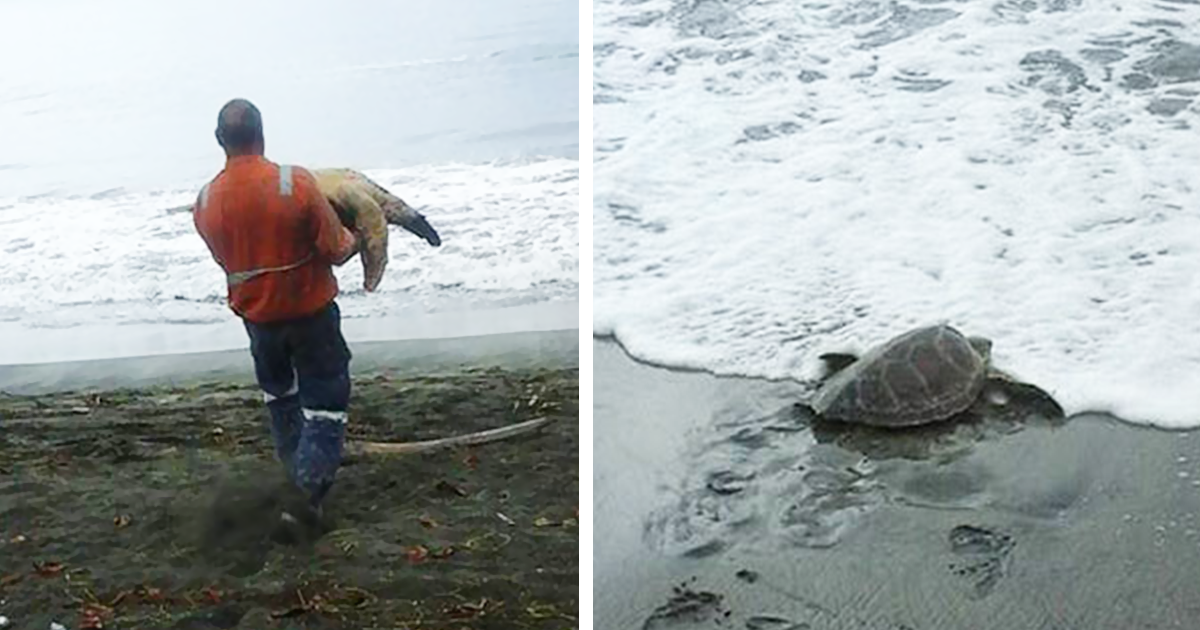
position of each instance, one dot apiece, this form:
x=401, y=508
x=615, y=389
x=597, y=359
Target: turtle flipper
x=371, y=226
x=836, y=362
x=397, y=211
x=1036, y=399
x=400, y=213
x=1025, y=396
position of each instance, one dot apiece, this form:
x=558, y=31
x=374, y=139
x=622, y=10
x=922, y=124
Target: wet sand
x=718, y=506
x=153, y=505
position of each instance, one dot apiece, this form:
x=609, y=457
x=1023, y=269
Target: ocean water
x=774, y=180
x=468, y=110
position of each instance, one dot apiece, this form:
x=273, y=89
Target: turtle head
x=982, y=346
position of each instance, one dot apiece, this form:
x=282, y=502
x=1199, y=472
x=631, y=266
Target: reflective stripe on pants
x=302, y=366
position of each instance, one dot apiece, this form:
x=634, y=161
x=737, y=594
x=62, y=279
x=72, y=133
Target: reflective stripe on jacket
x=276, y=237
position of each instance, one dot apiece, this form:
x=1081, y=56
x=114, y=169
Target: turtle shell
x=923, y=376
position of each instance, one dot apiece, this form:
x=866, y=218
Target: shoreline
x=23, y=346
x=719, y=507
x=612, y=339
x=403, y=357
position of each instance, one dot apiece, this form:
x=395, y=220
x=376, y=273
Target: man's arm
x=333, y=241
x=202, y=227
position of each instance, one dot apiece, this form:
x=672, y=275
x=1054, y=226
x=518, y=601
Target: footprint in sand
x=984, y=557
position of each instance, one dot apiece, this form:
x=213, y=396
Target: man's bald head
x=239, y=128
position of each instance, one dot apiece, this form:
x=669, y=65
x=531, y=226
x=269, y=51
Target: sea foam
x=776, y=180
x=509, y=232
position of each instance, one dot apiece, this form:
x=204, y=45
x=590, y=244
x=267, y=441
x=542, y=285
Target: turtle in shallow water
x=924, y=376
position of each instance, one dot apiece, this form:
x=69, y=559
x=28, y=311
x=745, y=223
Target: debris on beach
x=449, y=488
x=47, y=569
x=417, y=554
x=119, y=499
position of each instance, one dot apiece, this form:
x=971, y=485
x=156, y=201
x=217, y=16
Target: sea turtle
x=923, y=376
x=367, y=208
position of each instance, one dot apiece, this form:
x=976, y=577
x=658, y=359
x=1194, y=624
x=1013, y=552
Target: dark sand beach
x=717, y=506
x=114, y=473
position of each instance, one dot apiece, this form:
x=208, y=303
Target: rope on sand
x=469, y=439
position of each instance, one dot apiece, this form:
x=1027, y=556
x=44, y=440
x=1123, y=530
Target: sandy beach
x=717, y=508
x=113, y=475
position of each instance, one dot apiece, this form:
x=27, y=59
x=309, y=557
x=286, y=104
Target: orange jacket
x=275, y=236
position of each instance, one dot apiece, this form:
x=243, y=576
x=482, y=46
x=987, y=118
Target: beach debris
x=347, y=547
x=439, y=553
x=505, y=518
x=219, y=436
x=539, y=610
x=474, y=543
x=54, y=625
x=92, y=616
x=471, y=461
x=3, y=621
x=149, y=593
x=81, y=410
x=12, y=578
x=542, y=521
x=446, y=486
x=121, y=521
x=470, y=439
x=48, y=569
x=19, y=538
x=427, y=522
x=304, y=606
x=469, y=610
x=92, y=612
x=416, y=554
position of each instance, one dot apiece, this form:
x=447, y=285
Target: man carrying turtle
x=277, y=239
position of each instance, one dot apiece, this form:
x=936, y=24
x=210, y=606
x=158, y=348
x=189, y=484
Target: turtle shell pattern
x=923, y=376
